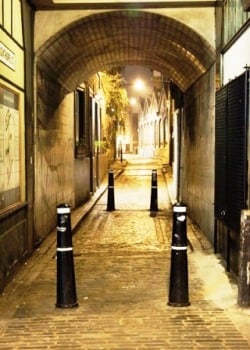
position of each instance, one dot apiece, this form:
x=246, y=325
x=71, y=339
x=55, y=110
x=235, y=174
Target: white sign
x=7, y=56
x=236, y=58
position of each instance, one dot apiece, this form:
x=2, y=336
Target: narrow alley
x=122, y=263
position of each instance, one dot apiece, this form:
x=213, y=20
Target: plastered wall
x=54, y=153
x=197, y=156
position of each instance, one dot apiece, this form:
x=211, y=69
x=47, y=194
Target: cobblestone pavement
x=122, y=261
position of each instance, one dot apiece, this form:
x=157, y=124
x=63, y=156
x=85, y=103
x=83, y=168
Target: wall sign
x=7, y=56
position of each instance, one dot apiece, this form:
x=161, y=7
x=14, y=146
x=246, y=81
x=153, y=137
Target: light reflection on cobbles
x=122, y=261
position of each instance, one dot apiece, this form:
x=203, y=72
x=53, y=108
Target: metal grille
x=220, y=153
x=236, y=155
x=231, y=152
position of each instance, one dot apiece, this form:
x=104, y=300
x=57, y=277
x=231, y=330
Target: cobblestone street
x=122, y=263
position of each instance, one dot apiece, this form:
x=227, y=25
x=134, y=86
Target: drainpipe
x=179, y=127
x=177, y=124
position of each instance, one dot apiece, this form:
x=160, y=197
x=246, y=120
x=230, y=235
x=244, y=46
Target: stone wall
x=54, y=153
x=15, y=186
x=13, y=242
x=197, y=155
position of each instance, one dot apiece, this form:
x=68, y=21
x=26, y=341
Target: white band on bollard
x=61, y=229
x=63, y=210
x=178, y=248
x=68, y=249
x=181, y=218
x=180, y=209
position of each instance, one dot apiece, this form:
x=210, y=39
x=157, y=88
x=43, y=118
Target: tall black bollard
x=154, y=194
x=178, y=290
x=111, y=194
x=66, y=289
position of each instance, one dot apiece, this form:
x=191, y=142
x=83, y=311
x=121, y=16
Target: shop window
x=11, y=18
x=16, y=25
x=1, y=12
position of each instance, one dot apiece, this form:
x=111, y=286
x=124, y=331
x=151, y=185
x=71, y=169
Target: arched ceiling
x=119, y=38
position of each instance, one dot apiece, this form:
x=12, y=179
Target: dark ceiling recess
x=246, y=5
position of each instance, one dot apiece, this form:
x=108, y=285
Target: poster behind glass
x=9, y=148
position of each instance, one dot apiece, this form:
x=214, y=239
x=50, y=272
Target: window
x=80, y=124
x=11, y=18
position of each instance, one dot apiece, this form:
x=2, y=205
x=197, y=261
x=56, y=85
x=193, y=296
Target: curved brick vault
x=119, y=38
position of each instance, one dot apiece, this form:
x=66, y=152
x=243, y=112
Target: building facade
x=231, y=132
x=16, y=126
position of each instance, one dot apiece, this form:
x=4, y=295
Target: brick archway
x=101, y=41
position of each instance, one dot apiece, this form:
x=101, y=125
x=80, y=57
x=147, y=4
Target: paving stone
x=122, y=265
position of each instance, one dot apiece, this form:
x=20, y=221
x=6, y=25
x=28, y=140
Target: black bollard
x=154, y=195
x=178, y=290
x=121, y=155
x=111, y=195
x=66, y=289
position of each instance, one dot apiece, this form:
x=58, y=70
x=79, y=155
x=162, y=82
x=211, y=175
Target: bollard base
x=178, y=304
x=154, y=203
x=111, y=192
x=66, y=286
x=154, y=192
x=111, y=200
x=67, y=306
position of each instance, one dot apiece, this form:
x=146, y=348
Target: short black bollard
x=111, y=194
x=66, y=289
x=178, y=290
x=154, y=194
